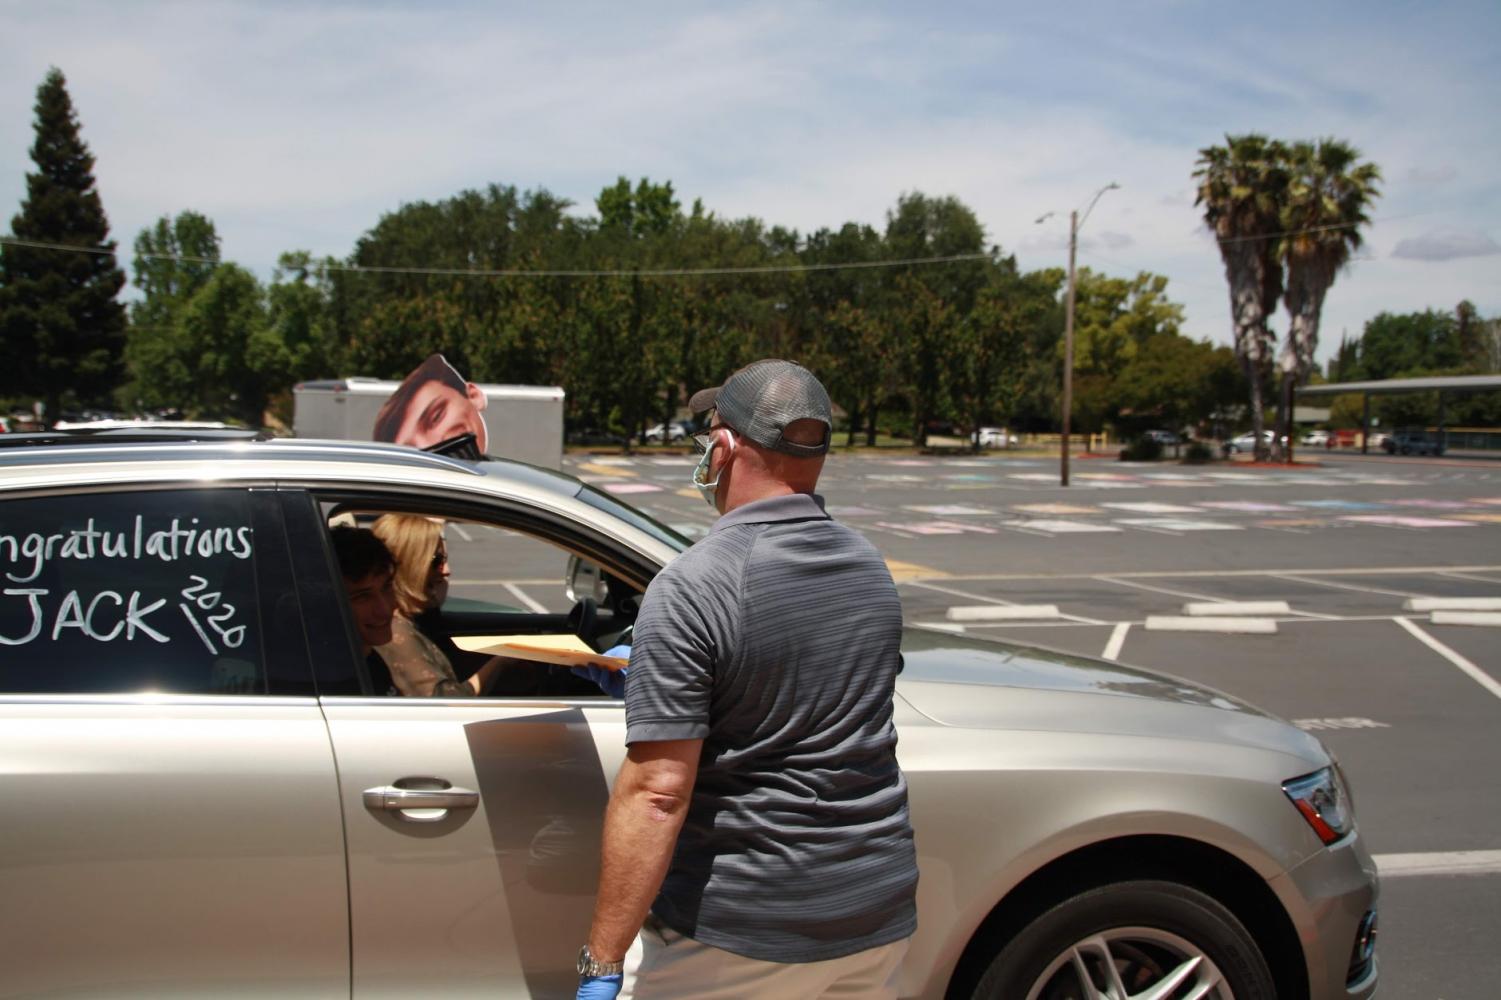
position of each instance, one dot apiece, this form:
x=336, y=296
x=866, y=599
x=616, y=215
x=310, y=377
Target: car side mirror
x=584, y=579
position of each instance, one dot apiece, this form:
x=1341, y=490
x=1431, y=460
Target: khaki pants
x=664, y=964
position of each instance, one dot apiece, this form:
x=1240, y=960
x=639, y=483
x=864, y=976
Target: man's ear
x=477, y=397
x=728, y=444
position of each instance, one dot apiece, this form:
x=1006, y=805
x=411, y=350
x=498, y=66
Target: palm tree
x=1241, y=187
x=1328, y=193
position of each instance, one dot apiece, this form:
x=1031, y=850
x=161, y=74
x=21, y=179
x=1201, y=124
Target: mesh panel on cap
x=762, y=398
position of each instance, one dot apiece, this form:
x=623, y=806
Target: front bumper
x=1330, y=898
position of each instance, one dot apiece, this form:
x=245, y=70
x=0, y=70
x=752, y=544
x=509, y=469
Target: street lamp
x=1074, y=222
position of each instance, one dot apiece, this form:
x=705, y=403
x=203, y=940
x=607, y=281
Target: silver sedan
x=205, y=794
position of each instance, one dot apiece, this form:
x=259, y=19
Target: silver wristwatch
x=589, y=967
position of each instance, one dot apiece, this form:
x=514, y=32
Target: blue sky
x=297, y=126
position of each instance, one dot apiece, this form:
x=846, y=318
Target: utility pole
x=1068, y=346
x=1074, y=222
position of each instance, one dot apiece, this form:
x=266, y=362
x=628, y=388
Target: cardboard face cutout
x=432, y=404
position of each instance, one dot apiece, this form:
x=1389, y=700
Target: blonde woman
x=418, y=667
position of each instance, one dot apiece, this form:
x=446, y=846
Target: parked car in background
x=207, y=786
x=1247, y=442
x=1414, y=441
x=994, y=437
x=668, y=433
x=1165, y=438
x=1316, y=439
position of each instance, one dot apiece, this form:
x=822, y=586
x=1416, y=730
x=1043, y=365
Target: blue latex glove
x=600, y=987
x=611, y=682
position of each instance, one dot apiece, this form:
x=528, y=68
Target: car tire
x=1145, y=931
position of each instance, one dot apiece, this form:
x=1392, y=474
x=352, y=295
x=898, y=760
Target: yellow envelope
x=564, y=650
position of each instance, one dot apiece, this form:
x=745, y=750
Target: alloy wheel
x=1131, y=963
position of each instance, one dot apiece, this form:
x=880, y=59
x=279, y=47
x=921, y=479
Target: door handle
x=393, y=798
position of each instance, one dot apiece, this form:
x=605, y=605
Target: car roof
x=65, y=458
x=129, y=445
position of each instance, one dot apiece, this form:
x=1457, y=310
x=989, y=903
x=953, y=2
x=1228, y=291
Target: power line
x=1291, y=232
x=682, y=272
x=525, y=273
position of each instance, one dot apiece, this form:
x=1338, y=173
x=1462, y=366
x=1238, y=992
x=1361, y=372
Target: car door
x=473, y=825
x=169, y=813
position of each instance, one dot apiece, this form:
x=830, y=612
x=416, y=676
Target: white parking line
x=1117, y=640
x=526, y=599
x=1161, y=590
x=1472, y=576
x=1439, y=863
x=1345, y=586
x=1216, y=573
x=992, y=600
x=458, y=529
x=1479, y=676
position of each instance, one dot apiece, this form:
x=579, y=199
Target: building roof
x=1430, y=383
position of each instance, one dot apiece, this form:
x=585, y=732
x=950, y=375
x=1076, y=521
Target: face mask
x=707, y=490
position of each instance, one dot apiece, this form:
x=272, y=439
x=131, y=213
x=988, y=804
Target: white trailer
x=525, y=422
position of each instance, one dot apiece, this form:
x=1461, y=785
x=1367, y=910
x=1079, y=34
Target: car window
x=504, y=578
x=600, y=500
x=117, y=592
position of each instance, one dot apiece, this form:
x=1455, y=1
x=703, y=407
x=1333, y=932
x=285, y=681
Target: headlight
x=1324, y=801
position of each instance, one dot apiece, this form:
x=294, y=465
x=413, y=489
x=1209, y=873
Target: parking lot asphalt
x=1411, y=707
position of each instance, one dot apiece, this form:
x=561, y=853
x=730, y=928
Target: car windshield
x=601, y=500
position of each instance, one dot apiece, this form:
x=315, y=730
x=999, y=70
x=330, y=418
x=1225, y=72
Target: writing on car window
x=110, y=592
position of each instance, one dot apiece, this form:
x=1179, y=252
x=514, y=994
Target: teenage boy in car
x=369, y=574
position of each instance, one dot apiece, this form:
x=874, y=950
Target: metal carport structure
x=1442, y=384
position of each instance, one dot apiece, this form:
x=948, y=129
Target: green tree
x=298, y=341
x=60, y=321
x=928, y=304
x=1397, y=344
x=1005, y=343
x=1473, y=338
x=173, y=260
x=853, y=344
x=234, y=361
x=1241, y=188
x=1175, y=382
x=1324, y=205
x=1345, y=365
x=649, y=210
x=1115, y=317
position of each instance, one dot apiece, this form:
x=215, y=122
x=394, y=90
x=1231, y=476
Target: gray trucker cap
x=761, y=399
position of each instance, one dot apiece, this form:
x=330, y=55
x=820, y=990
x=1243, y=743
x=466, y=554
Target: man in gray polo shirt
x=760, y=815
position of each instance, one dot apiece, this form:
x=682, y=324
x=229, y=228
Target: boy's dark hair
x=360, y=552
x=393, y=411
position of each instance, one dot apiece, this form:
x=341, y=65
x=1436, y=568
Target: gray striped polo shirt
x=776, y=640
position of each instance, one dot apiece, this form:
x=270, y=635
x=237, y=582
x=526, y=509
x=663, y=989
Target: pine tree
x=62, y=327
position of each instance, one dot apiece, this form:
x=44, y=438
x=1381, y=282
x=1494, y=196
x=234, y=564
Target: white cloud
x=1446, y=245
x=296, y=126
x=1441, y=173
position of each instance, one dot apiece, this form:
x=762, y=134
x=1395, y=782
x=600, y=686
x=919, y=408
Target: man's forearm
x=646, y=812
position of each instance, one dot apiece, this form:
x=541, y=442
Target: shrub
x=1143, y=449
x=1197, y=453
